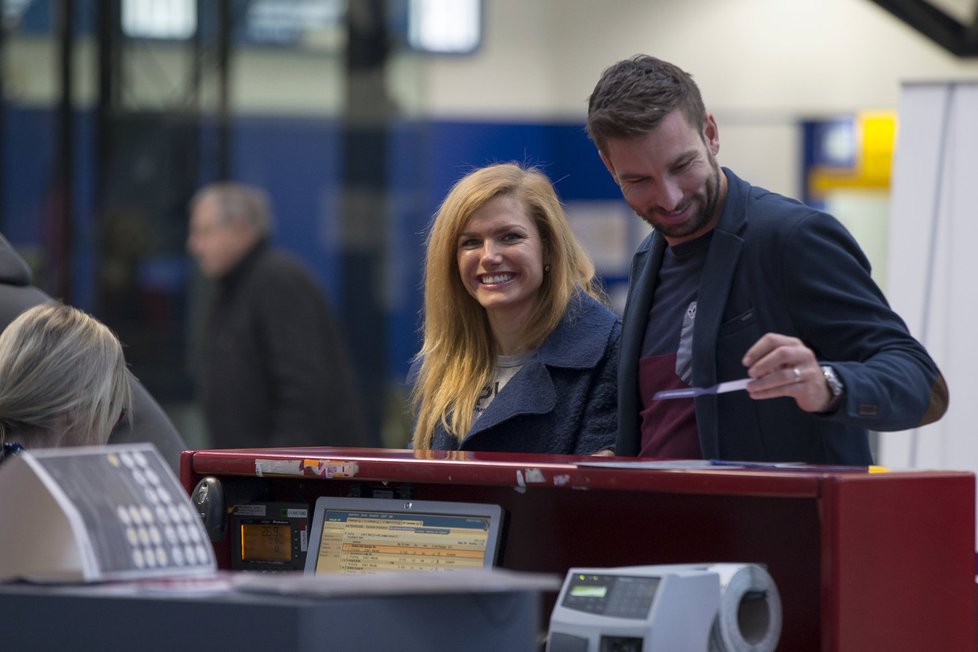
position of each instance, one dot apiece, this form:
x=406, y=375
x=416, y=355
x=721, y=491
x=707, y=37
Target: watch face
x=832, y=380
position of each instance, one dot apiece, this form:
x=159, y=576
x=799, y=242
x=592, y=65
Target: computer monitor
x=372, y=535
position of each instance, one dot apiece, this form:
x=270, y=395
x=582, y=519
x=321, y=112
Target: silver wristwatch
x=836, y=388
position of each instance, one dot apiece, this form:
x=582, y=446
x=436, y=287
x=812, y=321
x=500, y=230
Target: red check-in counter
x=863, y=561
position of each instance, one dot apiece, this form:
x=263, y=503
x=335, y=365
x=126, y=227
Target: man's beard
x=707, y=201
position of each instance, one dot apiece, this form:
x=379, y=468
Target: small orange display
x=266, y=542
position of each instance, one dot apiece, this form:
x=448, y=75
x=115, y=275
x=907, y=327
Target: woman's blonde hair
x=457, y=353
x=63, y=379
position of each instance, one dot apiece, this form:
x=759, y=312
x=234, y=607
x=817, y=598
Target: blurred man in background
x=275, y=367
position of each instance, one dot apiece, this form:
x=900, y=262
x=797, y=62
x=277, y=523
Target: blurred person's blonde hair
x=63, y=379
x=458, y=353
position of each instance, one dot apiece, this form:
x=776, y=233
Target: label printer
x=681, y=607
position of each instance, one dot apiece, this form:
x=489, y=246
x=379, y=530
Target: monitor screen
x=371, y=535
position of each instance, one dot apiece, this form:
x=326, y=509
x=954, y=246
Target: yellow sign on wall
x=875, y=137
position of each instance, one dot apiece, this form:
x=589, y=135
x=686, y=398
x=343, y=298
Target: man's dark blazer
x=776, y=265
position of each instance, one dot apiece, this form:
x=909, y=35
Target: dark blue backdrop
x=298, y=160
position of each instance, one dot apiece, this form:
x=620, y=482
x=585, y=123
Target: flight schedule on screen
x=355, y=541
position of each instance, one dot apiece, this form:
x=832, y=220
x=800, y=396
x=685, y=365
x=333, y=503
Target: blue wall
x=298, y=160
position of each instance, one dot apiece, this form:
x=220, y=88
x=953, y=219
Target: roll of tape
x=749, y=617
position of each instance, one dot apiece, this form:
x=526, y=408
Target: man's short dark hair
x=634, y=95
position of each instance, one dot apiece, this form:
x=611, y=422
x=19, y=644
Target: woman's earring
x=546, y=269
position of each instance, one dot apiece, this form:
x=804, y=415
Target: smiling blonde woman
x=519, y=352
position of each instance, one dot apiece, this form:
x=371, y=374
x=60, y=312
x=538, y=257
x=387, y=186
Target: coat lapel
x=531, y=391
x=645, y=272
x=711, y=301
x=571, y=345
